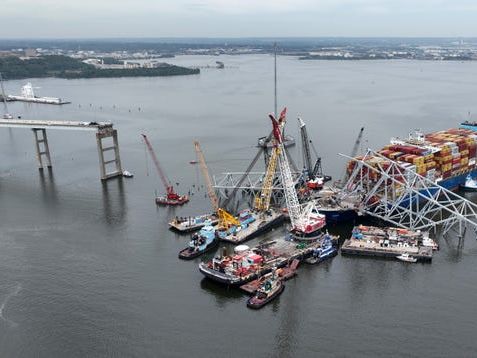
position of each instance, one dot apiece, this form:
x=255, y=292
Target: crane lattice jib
x=162, y=175
x=262, y=202
x=293, y=205
x=208, y=181
x=291, y=198
x=305, y=146
x=225, y=219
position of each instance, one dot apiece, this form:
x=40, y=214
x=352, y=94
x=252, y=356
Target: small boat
x=288, y=141
x=271, y=287
x=201, y=242
x=193, y=162
x=127, y=174
x=327, y=250
x=406, y=258
x=470, y=184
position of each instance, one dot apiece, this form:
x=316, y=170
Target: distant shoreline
x=57, y=66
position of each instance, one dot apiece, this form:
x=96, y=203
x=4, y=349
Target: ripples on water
x=90, y=269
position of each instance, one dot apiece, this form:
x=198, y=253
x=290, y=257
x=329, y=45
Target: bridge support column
x=42, y=148
x=103, y=163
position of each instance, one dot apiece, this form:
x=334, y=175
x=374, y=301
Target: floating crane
x=262, y=202
x=313, y=173
x=171, y=197
x=225, y=219
x=305, y=221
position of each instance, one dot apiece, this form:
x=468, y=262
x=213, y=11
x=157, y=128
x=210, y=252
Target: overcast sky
x=236, y=18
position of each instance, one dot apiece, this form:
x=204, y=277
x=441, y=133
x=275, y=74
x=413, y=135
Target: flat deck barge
x=261, y=225
x=389, y=243
x=190, y=224
x=352, y=247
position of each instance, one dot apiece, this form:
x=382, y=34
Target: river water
x=90, y=269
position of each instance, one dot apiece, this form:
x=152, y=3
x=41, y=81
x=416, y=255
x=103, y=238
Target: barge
x=28, y=95
x=252, y=224
x=248, y=265
x=389, y=242
x=189, y=224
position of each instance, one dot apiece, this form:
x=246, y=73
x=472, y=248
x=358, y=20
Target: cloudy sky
x=236, y=18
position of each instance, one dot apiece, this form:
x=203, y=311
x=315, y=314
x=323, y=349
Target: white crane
x=304, y=220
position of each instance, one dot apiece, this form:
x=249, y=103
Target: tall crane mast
x=225, y=219
x=262, y=202
x=291, y=198
x=354, y=151
x=305, y=142
x=305, y=220
x=171, y=194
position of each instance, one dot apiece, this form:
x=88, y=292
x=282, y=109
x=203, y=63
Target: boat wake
x=14, y=292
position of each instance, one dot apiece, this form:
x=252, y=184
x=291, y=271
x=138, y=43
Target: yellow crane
x=225, y=219
x=262, y=202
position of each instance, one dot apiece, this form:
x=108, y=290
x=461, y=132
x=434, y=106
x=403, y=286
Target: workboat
x=288, y=141
x=127, y=174
x=201, y=242
x=428, y=242
x=327, y=250
x=470, y=184
x=188, y=224
x=270, y=288
x=406, y=258
x=172, y=200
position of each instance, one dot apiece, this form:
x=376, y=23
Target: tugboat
x=201, y=242
x=327, y=250
x=271, y=287
x=470, y=184
x=172, y=199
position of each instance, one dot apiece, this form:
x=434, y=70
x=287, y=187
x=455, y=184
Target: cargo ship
x=446, y=157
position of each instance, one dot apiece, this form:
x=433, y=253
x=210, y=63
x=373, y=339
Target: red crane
x=171, y=198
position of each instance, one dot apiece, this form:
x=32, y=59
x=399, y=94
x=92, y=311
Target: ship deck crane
x=171, y=198
x=225, y=219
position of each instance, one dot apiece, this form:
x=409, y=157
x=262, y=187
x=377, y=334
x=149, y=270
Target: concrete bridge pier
x=42, y=148
x=114, y=148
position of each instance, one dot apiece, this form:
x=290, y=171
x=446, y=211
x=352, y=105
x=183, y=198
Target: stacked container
x=452, y=152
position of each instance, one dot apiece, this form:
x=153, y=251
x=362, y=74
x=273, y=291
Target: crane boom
x=225, y=219
x=262, y=202
x=205, y=172
x=354, y=151
x=305, y=143
x=162, y=175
